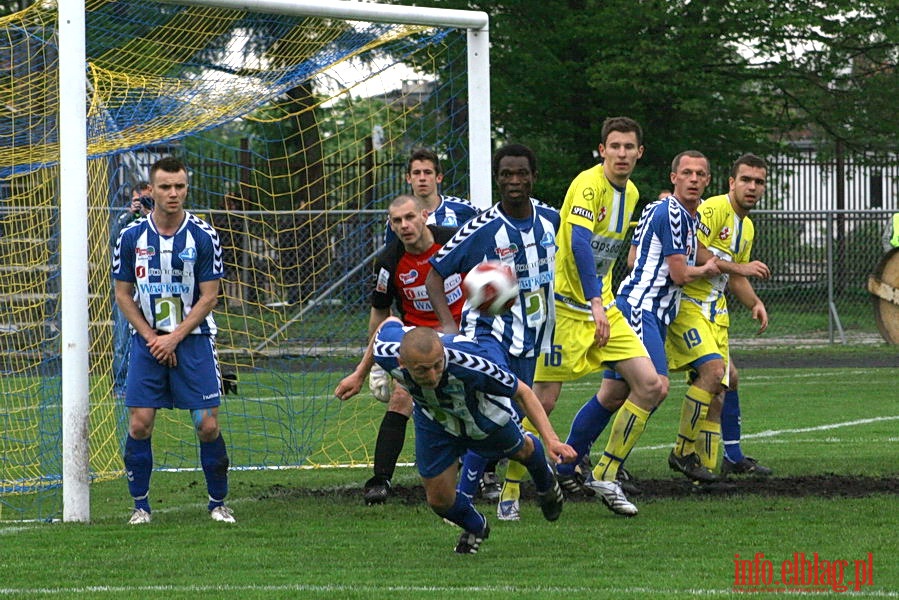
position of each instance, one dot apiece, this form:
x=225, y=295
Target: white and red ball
x=491, y=287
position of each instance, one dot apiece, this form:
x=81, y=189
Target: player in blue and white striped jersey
x=463, y=402
x=520, y=231
x=666, y=229
x=167, y=268
x=424, y=176
x=663, y=256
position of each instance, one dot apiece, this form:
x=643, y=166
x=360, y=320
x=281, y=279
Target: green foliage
x=722, y=77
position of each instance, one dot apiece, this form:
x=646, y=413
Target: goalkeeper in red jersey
x=400, y=272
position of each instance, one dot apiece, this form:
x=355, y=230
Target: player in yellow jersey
x=698, y=337
x=591, y=333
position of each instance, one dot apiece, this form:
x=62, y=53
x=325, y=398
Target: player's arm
x=124, y=297
x=590, y=283
x=162, y=347
x=742, y=289
x=681, y=273
x=527, y=399
x=631, y=257
x=350, y=385
x=437, y=296
x=755, y=268
x=353, y=381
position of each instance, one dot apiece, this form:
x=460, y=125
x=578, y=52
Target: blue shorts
x=651, y=331
x=194, y=383
x=436, y=450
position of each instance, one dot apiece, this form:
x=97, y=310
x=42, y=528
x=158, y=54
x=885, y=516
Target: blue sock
x=214, y=459
x=464, y=514
x=588, y=424
x=470, y=476
x=537, y=466
x=730, y=426
x=138, y=468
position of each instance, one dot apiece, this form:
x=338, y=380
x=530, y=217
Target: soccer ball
x=492, y=287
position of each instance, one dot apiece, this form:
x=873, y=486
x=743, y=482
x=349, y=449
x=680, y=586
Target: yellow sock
x=630, y=421
x=708, y=443
x=693, y=412
x=516, y=472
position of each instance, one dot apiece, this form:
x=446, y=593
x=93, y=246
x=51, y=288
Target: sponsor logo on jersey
x=452, y=281
x=154, y=272
x=423, y=306
x=510, y=250
x=407, y=278
x=453, y=296
x=188, y=254
x=589, y=194
x=606, y=246
x=415, y=293
x=704, y=228
x=383, y=280
x=147, y=252
x=156, y=289
x=580, y=211
x=533, y=283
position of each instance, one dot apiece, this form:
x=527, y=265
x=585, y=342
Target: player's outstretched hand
x=561, y=452
x=348, y=387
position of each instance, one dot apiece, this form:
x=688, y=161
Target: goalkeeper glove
x=379, y=384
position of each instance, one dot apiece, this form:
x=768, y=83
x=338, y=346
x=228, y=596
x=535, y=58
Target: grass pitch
x=306, y=534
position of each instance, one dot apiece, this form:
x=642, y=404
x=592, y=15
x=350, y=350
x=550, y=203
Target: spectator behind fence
x=140, y=205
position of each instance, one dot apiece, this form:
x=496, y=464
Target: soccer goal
x=295, y=120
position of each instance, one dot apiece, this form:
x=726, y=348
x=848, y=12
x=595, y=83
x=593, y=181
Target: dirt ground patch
x=829, y=485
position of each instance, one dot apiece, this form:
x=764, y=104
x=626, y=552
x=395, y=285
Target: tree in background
x=721, y=77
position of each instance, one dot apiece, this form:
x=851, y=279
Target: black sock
x=391, y=437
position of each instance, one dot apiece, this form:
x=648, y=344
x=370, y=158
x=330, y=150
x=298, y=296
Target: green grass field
x=306, y=534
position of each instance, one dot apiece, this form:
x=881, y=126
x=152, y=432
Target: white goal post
x=73, y=185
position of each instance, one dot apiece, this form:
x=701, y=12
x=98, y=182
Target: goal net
x=296, y=132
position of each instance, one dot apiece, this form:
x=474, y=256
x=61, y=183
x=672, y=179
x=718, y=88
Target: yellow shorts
x=692, y=340
x=575, y=354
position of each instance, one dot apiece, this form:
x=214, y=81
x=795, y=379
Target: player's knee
x=206, y=424
x=733, y=378
x=650, y=391
x=548, y=394
x=400, y=402
x=208, y=432
x=525, y=451
x=664, y=387
x=710, y=375
x=139, y=429
x=611, y=404
x=548, y=404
